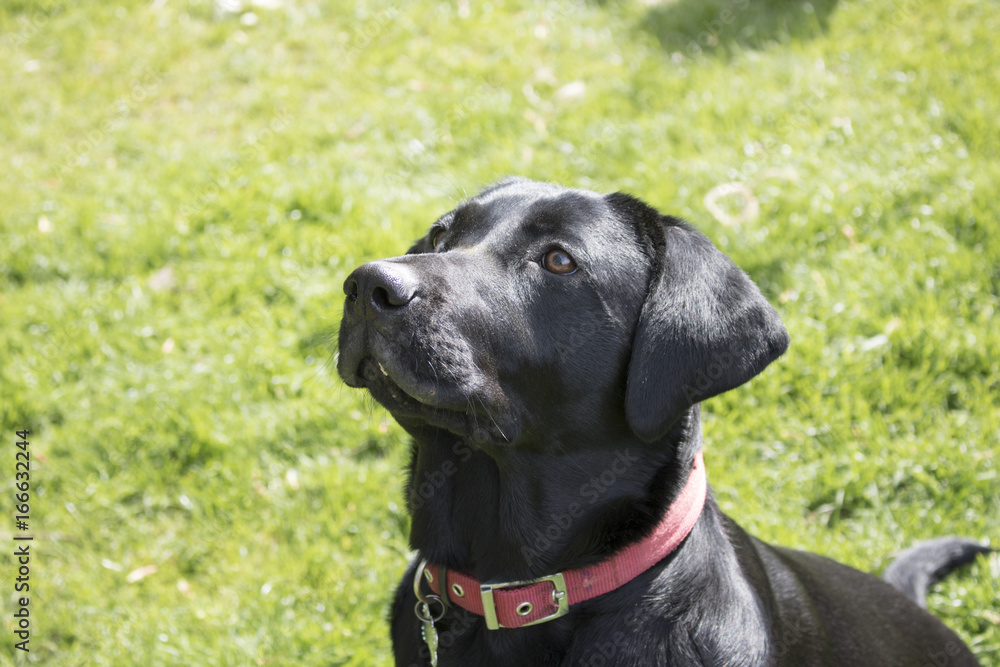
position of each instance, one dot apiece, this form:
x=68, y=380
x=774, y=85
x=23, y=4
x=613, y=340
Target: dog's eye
x=436, y=238
x=559, y=262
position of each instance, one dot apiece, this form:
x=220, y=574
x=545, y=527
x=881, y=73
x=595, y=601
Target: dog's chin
x=411, y=404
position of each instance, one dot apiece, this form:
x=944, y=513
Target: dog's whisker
x=437, y=380
x=492, y=419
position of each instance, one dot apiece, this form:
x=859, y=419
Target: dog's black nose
x=379, y=287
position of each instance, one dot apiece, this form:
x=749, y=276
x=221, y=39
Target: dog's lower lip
x=400, y=388
x=395, y=385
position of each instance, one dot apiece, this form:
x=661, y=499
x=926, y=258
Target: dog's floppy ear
x=704, y=329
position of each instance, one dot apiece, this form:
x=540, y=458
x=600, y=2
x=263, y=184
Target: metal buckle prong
x=559, y=598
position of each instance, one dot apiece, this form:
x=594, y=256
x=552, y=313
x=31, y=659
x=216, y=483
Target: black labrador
x=547, y=349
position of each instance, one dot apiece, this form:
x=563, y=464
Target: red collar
x=515, y=604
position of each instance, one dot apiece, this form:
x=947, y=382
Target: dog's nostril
x=381, y=298
x=386, y=298
x=392, y=293
x=351, y=290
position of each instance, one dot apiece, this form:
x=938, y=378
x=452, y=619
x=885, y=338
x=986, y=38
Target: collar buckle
x=559, y=598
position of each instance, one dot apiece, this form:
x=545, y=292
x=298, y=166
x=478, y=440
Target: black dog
x=547, y=349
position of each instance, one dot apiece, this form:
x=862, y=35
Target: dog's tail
x=916, y=569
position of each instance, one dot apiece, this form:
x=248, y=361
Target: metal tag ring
x=427, y=617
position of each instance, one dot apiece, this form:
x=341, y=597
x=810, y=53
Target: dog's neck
x=530, y=511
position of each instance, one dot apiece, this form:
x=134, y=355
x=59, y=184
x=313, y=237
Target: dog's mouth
x=411, y=399
x=389, y=392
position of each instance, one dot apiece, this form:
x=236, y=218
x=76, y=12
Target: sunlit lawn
x=185, y=189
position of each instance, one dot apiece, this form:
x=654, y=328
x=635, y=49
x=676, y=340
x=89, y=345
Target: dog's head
x=535, y=315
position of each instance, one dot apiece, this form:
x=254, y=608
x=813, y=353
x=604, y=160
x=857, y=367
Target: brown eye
x=436, y=238
x=559, y=262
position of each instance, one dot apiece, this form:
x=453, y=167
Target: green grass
x=184, y=194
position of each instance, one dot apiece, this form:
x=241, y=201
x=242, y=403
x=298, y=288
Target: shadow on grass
x=696, y=28
x=770, y=275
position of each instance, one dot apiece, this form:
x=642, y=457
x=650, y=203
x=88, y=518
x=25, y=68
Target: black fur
x=554, y=419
